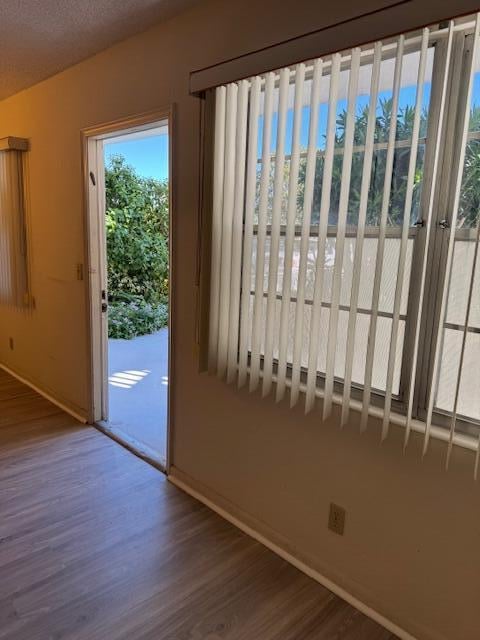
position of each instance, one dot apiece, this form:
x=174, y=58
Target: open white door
x=98, y=278
x=129, y=391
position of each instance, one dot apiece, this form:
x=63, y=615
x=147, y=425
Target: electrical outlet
x=336, y=519
x=10, y=342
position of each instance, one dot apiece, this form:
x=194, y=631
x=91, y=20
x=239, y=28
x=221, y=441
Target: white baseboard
x=45, y=395
x=289, y=557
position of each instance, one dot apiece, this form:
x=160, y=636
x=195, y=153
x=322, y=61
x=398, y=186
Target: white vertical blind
x=13, y=249
x=321, y=172
x=453, y=223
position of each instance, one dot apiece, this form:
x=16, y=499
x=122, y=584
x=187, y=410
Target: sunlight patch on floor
x=127, y=379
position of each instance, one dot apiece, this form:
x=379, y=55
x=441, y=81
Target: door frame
x=92, y=139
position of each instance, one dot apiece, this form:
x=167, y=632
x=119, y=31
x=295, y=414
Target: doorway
x=128, y=188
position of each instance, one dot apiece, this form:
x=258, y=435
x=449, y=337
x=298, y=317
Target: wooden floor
x=96, y=545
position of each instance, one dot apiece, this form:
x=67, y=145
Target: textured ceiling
x=39, y=38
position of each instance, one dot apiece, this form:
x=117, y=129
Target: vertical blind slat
x=392, y=353
x=237, y=224
x=451, y=240
x=14, y=274
x=6, y=274
x=362, y=214
x=453, y=420
x=250, y=193
x=322, y=234
x=381, y=236
x=305, y=238
x=227, y=222
x=428, y=226
x=217, y=214
x=341, y=228
x=262, y=226
x=290, y=232
x=6, y=238
x=275, y=230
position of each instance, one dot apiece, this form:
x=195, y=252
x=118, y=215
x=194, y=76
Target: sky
x=406, y=98
x=149, y=155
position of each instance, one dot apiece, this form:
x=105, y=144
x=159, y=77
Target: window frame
x=436, y=242
x=415, y=232
x=439, y=240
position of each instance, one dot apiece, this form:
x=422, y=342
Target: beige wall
x=412, y=541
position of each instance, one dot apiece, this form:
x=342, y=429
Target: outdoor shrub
x=137, y=249
x=136, y=318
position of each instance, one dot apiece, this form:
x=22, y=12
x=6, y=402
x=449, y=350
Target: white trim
x=292, y=559
x=45, y=394
x=89, y=136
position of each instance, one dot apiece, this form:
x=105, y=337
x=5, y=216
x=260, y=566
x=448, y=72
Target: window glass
x=404, y=126
x=459, y=283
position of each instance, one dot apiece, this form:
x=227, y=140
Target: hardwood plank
x=96, y=545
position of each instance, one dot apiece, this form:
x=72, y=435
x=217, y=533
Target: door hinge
x=104, y=301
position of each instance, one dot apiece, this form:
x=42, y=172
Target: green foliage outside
x=469, y=206
x=399, y=174
x=137, y=247
x=136, y=318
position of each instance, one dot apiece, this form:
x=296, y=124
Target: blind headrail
x=405, y=16
x=12, y=143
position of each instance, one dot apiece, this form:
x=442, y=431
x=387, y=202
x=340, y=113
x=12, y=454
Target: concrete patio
x=138, y=392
